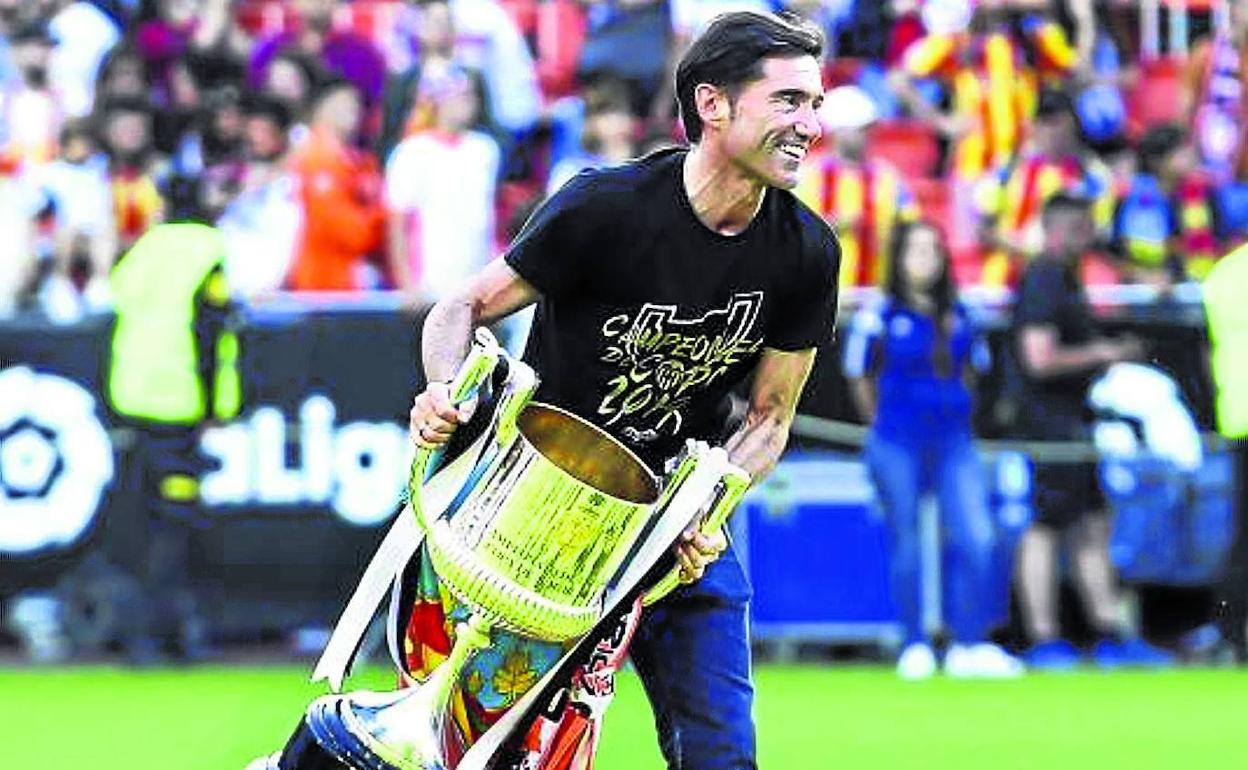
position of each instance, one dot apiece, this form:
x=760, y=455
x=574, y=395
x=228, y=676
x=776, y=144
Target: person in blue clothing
x=908, y=361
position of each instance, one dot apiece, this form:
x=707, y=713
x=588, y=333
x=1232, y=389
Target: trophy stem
x=410, y=733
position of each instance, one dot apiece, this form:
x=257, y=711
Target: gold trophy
x=552, y=517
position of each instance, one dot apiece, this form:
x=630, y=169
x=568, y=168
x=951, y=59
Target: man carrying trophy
x=660, y=286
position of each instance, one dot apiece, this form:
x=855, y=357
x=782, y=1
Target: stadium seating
x=1157, y=96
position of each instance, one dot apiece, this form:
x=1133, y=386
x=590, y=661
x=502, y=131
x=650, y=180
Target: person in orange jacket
x=339, y=189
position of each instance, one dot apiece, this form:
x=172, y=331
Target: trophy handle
x=473, y=372
x=731, y=488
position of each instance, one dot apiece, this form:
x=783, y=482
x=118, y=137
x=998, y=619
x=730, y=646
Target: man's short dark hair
x=1054, y=103
x=117, y=105
x=1157, y=143
x=263, y=106
x=331, y=85
x=1064, y=202
x=731, y=51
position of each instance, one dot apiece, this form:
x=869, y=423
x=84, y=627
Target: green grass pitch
x=809, y=718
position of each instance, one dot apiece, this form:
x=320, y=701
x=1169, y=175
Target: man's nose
x=807, y=126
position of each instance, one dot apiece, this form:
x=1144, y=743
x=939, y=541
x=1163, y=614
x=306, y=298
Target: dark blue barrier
x=298, y=487
x=815, y=547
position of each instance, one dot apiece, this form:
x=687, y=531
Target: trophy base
x=304, y=752
x=325, y=739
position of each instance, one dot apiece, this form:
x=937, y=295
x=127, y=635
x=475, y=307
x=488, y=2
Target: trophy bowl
x=546, y=520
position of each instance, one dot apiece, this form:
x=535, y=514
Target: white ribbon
x=395, y=551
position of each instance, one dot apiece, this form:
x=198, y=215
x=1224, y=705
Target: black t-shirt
x=1050, y=294
x=648, y=318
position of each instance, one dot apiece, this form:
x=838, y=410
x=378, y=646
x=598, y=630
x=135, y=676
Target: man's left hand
x=696, y=550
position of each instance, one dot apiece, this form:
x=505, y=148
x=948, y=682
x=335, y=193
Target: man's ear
x=713, y=105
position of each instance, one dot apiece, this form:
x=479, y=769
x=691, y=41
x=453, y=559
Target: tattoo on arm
x=778, y=381
x=495, y=292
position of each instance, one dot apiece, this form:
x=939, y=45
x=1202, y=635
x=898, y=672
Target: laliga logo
x=359, y=469
x=55, y=460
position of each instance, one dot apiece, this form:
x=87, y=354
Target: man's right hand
x=434, y=418
x=1128, y=348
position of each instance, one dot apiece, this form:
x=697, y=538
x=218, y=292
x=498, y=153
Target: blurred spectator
x=1165, y=225
x=292, y=79
x=340, y=53
x=1058, y=353
x=1228, y=332
x=9, y=23
x=990, y=70
x=186, y=100
x=173, y=30
x=173, y=368
x=84, y=32
x=487, y=40
x=906, y=29
x=340, y=194
x=1217, y=108
x=630, y=41
x=76, y=188
x=216, y=138
x=906, y=361
x=123, y=75
x=863, y=197
x=608, y=133
x=261, y=225
x=1012, y=200
x=1099, y=102
x=435, y=44
x=30, y=110
x=18, y=265
x=831, y=16
x=126, y=129
x=440, y=186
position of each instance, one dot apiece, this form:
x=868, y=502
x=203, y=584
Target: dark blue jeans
x=692, y=652
x=903, y=472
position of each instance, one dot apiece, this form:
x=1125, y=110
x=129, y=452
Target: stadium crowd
x=396, y=144
x=400, y=144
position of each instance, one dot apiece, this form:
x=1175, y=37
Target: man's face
x=265, y=138
x=1069, y=232
x=344, y=111
x=286, y=81
x=773, y=123
x=436, y=32
x=128, y=133
x=1055, y=134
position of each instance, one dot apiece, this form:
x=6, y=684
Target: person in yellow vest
x=1227, y=315
x=864, y=198
x=172, y=369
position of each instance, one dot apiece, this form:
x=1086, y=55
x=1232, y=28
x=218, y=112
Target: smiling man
x=661, y=285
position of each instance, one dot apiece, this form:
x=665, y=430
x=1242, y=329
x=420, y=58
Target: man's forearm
x=1067, y=360
x=757, y=446
x=446, y=338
